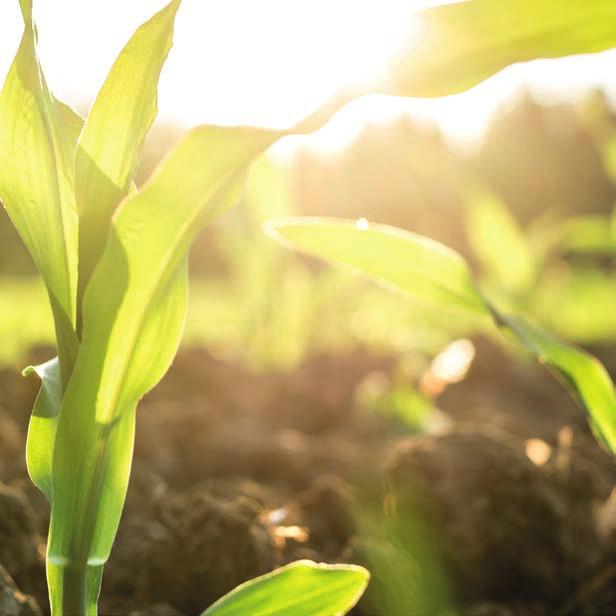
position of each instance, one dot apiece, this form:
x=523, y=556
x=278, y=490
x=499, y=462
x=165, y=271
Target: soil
x=236, y=473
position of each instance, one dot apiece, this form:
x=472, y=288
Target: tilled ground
x=237, y=473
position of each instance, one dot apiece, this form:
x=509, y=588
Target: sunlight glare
x=283, y=60
x=271, y=63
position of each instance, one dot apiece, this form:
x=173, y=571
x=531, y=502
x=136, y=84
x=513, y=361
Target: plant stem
x=75, y=590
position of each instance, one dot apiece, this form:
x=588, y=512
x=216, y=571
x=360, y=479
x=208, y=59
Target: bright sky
x=270, y=62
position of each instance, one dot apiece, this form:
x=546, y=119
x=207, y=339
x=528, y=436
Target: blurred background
x=295, y=376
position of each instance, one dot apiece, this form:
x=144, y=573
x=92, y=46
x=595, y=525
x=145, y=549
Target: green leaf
x=584, y=375
x=110, y=146
x=38, y=137
x=431, y=272
x=37, y=144
x=302, y=588
x=458, y=45
x=43, y=424
x=416, y=265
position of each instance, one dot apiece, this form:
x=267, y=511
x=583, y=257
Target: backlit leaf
x=422, y=268
x=302, y=588
x=37, y=144
x=457, y=45
x=110, y=145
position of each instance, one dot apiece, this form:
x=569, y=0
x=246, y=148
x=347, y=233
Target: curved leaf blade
x=37, y=143
x=416, y=265
x=302, y=588
x=584, y=375
x=110, y=146
x=459, y=45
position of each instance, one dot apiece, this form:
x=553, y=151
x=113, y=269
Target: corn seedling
x=114, y=264
x=436, y=275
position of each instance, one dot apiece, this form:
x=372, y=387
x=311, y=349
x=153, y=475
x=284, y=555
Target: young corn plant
x=114, y=262
x=434, y=274
x=458, y=46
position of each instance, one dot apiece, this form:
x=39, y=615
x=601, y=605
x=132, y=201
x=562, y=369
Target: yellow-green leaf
x=416, y=265
x=302, y=588
x=37, y=145
x=110, y=146
x=584, y=375
x=457, y=45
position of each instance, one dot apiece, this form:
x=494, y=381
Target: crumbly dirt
x=236, y=473
x=12, y=601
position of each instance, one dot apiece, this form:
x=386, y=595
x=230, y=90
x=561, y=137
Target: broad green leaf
x=431, y=272
x=43, y=423
x=302, y=588
x=422, y=268
x=110, y=145
x=455, y=46
x=37, y=143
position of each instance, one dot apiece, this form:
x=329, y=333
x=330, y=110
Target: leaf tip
x=26, y=11
x=360, y=573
